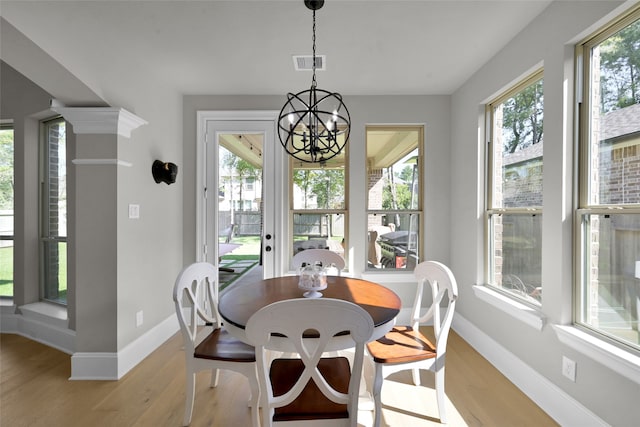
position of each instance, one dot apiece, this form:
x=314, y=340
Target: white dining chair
x=325, y=257
x=207, y=345
x=405, y=347
x=310, y=390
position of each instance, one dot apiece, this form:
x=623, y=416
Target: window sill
x=52, y=314
x=389, y=276
x=520, y=311
x=6, y=306
x=615, y=358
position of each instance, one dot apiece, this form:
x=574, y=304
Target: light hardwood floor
x=35, y=391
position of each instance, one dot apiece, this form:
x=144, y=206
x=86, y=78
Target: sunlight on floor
x=404, y=404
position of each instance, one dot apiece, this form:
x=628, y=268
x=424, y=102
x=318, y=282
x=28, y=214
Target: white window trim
x=617, y=359
x=622, y=361
x=402, y=275
x=389, y=276
x=511, y=306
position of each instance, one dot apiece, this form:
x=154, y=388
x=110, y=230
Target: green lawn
x=240, y=257
x=6, y=271
x=250, y=245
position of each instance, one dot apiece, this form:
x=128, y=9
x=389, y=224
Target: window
x=608, y=279
x=6, y=210
x=319, y=208
x=394, y=202
x=514, y=196
x=249, y=182
x=54, y=212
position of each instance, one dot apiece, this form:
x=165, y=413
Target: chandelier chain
x=313, y=79
x=314, y=124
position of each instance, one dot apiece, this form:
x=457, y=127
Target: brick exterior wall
x=375, y=189
x=523, y=184
x=52, y=248
x=622, y=167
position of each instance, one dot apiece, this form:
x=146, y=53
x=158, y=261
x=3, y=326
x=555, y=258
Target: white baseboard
x=560, y=406
x=86, y=365
x=113, y=366
x=48, y=333
x=94, y=366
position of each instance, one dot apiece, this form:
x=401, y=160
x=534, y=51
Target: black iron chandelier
x=314, y=124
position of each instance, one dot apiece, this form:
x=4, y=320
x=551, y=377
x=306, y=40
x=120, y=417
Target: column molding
x=116, y=162
x=101, y=120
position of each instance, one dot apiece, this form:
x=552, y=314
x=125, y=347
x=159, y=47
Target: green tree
x=522, y=118
x=302, y=179
x=327, y=185
x=402, y=196
x=236, y=166
x=620, y=69
x=245, y=170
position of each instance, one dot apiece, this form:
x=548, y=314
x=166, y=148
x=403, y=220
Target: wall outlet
x=139, y=319
x=569, y=368
x=134, y=211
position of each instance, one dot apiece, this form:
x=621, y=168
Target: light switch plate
x=134, y=211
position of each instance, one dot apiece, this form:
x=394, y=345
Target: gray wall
x=133, y=262
x=147, y=254
x=22, y=101
x=547, y=41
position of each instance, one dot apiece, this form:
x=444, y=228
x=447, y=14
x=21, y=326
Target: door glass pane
x=6, y=212
x=239, y=204
x=610, y=301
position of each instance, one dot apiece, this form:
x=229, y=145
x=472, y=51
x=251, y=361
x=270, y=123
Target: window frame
x=326, y=212
x=585, y=206
x=419, y=182
x=5, y=125
x=490, y=209
x=46, y=237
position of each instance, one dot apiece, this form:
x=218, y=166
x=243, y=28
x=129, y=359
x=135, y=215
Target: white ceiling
x=246, y=47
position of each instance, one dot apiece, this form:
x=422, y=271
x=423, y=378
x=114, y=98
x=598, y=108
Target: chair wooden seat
x=310, y=390
x=220, y=345
x=401, y=345
x=405, y=348
x=311, y=403
x=207, y=345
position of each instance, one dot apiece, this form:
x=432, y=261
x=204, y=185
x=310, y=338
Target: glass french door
x=242, y=176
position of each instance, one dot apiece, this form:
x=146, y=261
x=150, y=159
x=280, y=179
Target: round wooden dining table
x=238, y=304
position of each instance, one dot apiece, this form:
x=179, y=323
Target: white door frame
x=274, y=185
